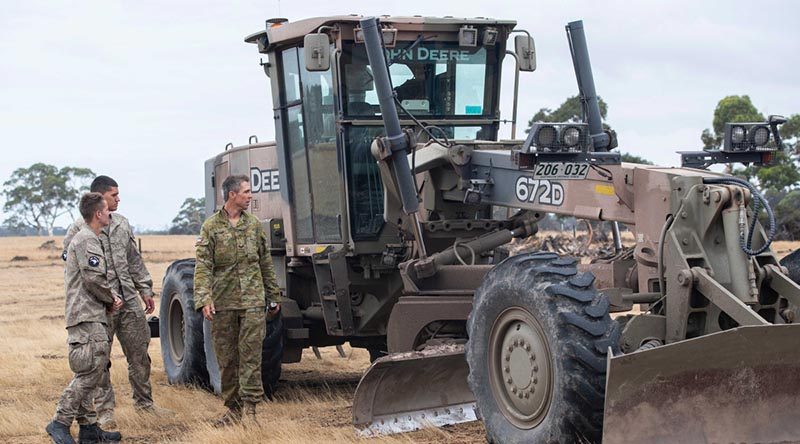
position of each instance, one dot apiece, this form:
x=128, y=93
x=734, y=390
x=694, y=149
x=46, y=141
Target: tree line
x=37, y=196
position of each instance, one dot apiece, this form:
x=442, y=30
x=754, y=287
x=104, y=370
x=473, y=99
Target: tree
x=569, y=111
x=729, y=110
x=38, y=195
x=190, y=217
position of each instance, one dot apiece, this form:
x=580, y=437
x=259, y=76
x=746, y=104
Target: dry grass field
x=313, y=404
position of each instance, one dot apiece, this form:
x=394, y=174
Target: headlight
x=747, y=136
x=546, y=136
x=737, y=134
x=570, y=136
x=557, y=138
x=759, y=135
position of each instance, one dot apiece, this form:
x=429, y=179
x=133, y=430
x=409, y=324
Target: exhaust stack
x=601, y=140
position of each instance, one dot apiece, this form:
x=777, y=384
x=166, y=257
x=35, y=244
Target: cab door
x=312, y=157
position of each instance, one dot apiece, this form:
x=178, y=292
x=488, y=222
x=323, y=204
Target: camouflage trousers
x=89, y=349
x=130, y=326
x=237, y=336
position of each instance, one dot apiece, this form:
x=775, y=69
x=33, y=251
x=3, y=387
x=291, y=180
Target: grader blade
x=740, y=385
x=408, y=391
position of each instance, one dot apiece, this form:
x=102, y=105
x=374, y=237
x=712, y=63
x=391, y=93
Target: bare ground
x=313, y=404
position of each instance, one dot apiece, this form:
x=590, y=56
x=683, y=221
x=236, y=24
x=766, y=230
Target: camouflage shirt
x=85, y=282
x=127, y=274
x=234, y=266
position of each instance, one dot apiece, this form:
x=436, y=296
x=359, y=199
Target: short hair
x=101, y=184
x=233, y=183
x=90, y=204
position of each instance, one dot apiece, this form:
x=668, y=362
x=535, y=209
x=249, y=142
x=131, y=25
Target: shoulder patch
x=94, y=261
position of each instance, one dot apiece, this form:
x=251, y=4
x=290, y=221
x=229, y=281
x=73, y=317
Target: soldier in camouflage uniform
x=233, y=283
x=128, y=276
x=88, y=297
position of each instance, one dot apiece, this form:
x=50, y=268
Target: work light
x=557, y=138
x=747, y=136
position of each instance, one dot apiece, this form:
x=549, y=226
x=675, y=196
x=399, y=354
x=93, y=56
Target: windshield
x=432, y=79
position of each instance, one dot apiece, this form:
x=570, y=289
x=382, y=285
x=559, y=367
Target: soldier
x=233, y=283
x=128, y=276
x=87, y=300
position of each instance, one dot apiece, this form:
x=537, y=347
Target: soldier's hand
x=117, y=304
x=208, y=311
x=149, y=304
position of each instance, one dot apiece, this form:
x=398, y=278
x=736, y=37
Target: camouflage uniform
x=87, y=298
x=128, y=276
x=234, y=271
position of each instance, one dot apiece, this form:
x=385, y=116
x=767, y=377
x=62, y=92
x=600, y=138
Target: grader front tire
x=538, y=338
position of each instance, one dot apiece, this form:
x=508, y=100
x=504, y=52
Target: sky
x=146, y=91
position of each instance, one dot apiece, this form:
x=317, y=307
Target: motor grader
x=389, y=201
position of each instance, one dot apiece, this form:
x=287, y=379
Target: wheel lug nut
x=507, y=369
x=527, y=347
x=527, y=395
x=516, y=342
x=510, y=348
x=535, y=381
x=508, y=358
x=509, y=380
x=536, y=368
x=520, y=395
x=513, y=390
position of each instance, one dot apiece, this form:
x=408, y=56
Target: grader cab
x=388, y=199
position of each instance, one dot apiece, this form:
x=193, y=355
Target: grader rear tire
x=271, y=355
x=538, y=338
x=792, y=263
x=181, y=327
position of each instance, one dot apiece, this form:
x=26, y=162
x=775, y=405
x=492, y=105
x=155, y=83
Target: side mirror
x=317, y=52
x=526, y=52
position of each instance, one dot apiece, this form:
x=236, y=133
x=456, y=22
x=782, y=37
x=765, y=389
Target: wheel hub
x=520, y=367
x=176, y=329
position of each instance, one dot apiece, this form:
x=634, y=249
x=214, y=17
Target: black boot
x=59, y=433
x=92, y=433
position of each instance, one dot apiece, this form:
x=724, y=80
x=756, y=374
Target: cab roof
x=282, y=32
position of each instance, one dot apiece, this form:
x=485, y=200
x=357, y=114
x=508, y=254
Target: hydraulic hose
x=746, y=242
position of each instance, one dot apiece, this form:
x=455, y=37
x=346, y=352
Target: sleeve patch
x=94, y=261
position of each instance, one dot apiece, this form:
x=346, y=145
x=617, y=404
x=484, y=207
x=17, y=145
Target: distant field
x=313, y=404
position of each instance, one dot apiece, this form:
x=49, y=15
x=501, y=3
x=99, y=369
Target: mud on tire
x=539, y=334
